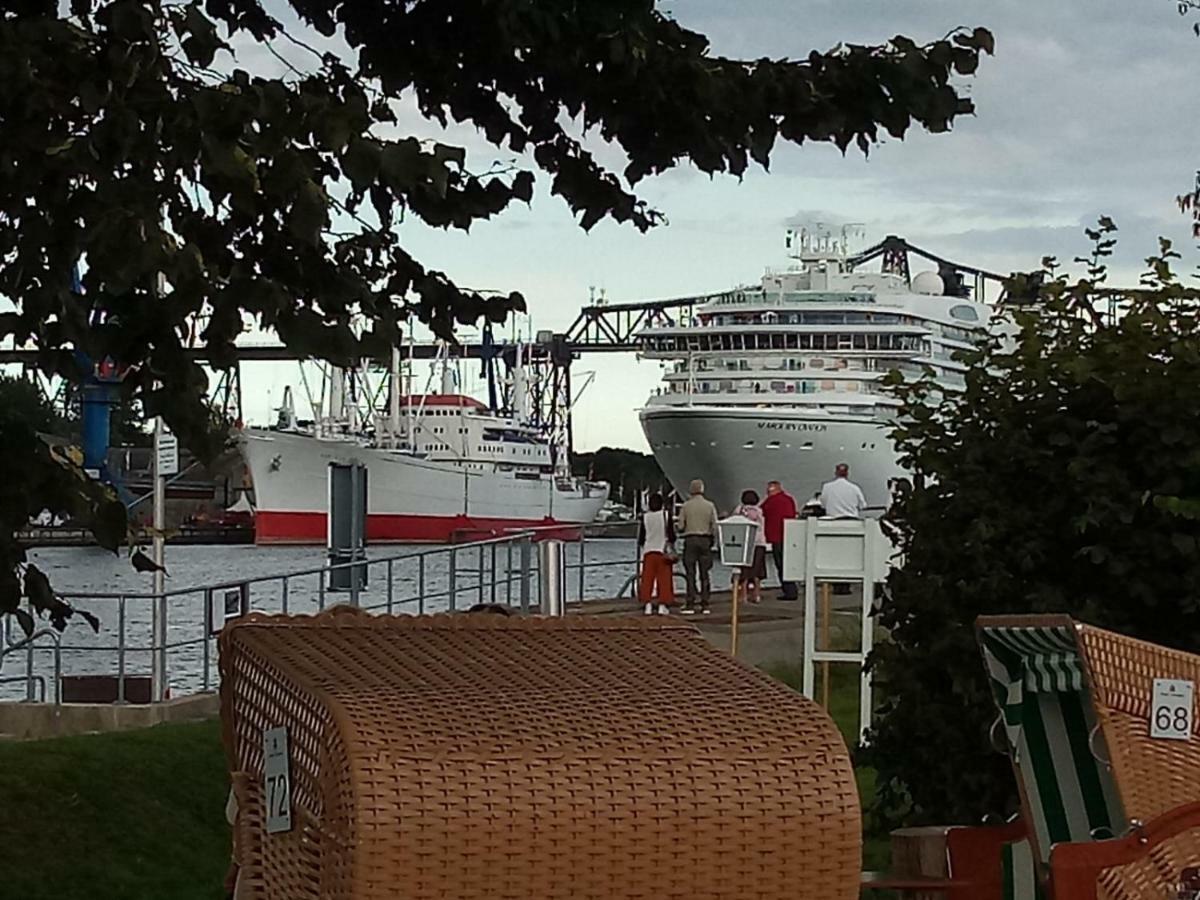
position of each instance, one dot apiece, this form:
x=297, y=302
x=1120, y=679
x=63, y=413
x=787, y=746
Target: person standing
x=842, y=498
x=752, y=576
x=656, y=543
x=698, y=524
x=777, y=508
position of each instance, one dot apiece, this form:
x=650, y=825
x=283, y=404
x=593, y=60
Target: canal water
x=419, y=577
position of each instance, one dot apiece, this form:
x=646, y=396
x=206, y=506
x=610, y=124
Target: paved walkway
x=769, y=633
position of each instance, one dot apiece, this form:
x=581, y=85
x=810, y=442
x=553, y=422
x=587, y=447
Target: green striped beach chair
x=1074, y=717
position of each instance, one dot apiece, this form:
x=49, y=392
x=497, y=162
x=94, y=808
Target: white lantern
x=736, y=536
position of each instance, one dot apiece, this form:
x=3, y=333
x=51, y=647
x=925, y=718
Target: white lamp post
x=735, y=538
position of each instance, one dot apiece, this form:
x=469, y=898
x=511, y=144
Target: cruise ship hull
x=735, y=448
x=408, y=499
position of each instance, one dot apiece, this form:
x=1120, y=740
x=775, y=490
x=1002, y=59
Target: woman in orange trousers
x=656, y=542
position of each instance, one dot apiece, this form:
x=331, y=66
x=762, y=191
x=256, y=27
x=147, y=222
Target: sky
x=1080, y=113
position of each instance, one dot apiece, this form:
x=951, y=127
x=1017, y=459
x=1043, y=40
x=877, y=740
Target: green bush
x=1065, y=478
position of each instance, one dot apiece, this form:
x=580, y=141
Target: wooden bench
x=947, y=863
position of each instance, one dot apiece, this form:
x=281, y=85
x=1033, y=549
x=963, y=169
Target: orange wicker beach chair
x=1112, y=812
x=485, y=756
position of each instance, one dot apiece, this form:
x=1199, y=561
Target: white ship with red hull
x=440, y=468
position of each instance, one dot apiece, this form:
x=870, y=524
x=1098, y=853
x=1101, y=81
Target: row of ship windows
x=782, y=341
x=858, y=364
x=519, y=451
x=750, y=445
x=963, y=312
x=769, y=317
x=845, y=386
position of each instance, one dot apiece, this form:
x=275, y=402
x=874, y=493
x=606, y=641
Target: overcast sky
x=1087, y=108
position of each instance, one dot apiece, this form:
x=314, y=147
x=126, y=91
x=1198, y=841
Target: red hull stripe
x=310, y=528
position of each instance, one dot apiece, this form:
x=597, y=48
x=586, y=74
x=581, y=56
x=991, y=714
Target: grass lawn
x=136, y=815
x=140, y=815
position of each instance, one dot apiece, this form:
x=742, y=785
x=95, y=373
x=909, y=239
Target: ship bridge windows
x=734, y=343
x=965, y=312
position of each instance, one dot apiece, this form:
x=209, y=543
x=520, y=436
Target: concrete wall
x=36, y=721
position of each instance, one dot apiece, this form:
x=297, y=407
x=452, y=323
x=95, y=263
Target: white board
x=1171, y=705
x=167, y=449
x=277, y=780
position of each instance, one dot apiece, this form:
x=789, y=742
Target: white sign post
x=1171, y=709
x=277, y=787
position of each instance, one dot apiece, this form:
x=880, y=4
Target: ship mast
x=394, y=387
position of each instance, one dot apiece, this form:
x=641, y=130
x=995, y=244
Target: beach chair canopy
x=1074, y=706
x=506, y=757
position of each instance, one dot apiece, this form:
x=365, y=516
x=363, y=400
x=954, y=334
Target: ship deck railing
x=170, y=638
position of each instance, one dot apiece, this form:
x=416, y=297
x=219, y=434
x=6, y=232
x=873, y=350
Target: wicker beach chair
x=1111, y=812
x=488, y=756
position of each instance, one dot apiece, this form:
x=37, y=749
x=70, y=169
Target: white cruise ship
x=780, y=380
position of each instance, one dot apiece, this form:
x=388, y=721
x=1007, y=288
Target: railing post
x=526, y=562
x=284, y=597
x=389, y=587
x=29, y=672
x=493, y=574
x=121, y=649
x=354, y=570
x=552, y=578
x=421, y=585
x=160, y=650
x=57, y=673
x=321, y=590
x=582, y=562
x=453, y=578
x=208, y=630
x=508, y=574
x=480, y=567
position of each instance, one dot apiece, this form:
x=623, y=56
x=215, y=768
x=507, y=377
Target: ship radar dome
x=928, y=283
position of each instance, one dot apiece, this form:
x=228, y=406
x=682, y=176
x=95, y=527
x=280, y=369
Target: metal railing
x=504, y=570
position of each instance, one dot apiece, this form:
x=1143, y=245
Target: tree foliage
x=200, y=196
x=628, y=472
x=48, y=480
x=1066, y=479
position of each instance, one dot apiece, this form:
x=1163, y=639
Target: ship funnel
x=286, y=419
x=449, y=382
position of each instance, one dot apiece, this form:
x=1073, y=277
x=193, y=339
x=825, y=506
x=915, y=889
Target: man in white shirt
x=842, y=498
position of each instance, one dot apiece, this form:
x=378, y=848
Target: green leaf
x=37, y=589
x=88, y=617
x=25, y=620
x=110, y=526
x=522, y=186
x=444, y=153
x=308, y=214
x=362, y=162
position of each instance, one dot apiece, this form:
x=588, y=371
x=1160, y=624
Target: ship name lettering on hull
x=792, y=426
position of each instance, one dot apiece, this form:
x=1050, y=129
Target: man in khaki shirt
x=698, y=525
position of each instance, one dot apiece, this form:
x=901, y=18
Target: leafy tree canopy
x=198, y=196
x=1065, y=478
x=627, y=471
